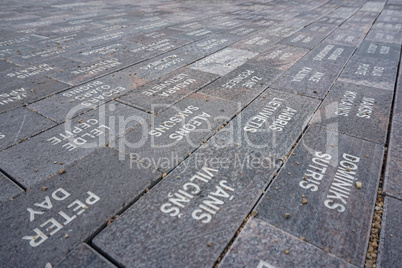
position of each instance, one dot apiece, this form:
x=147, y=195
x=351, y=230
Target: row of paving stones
x=192, y=214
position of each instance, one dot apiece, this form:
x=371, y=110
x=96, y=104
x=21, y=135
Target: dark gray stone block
x=393, y=172
x=74, y=72
x=308, y=78
x=167, y=90
x=345, y=38
x=72, y=102
x=387, y=37
x=389, y=254
x=356, y=110
x=26, y=39
x=84, y=256
x=317, y=188
x=224, y=61
x=17, y=93
x=162, y=65
x=257, y=42
x=60, y=213
x=330, y=54
x=243, y=84
x=370, y=72
x=304, y=39
x=197, y=209
x=388, y=27
x=264, y=246
x=271, y=124
x=196, y=34
x=177, y=131
x=34, y=160
x=20, y=124
x=379, y=50
x=280, y=57
x=207, y=46
x=8, y=188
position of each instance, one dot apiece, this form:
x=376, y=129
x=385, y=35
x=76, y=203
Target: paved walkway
x=200, y=133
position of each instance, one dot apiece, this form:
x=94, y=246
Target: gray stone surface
x=57, y=215
x=84, y=256
x=257, y=42
x=345, y=38
x=356, y=110
x=20, y=124
x=70, y=103
x=264, y=246
x=8, y=188
x=271, y=124
x=387, y=37
x=307, y=78
x=371, y=72
x=379, y=50
x=48, y=152
x=393, y=170
x=330, y=54
x=391, y=234
x=336, y=215
x=160, y=94
x=280, y=57
x=197, y=209
x=224, y=61
x=175, y=133
x=243, y=84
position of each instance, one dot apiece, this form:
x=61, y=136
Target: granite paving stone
x=308, y=78
x=224, y=61
x=84, y=256
x=60, y=213
x=387, y=37
x=393, y=169
x=178, y=131
x=271, y=124
x=356, y=110
x=317, y=188
x=257, y=42
x=391, y=239
x=50, y=151
x=243, y=84
x=345, y=37
x=197, y=208
x=330, y=54
x=160, y=94
x=371, y=72
x=264, y=246
x=20, y=124
x=8, y=188
x=379, y=50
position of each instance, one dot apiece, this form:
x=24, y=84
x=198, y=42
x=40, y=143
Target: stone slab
x=393, y=170
x=21, y=39
x=262, y=245
x=175, y=133
x=257, y=42
x=198, y=216
x=308, y=78
x=20, y=124
x=60, y=213
x=330, y=54
x=32, y=161
x=389, y=254
x=72, y=102
x=334, y=215
x=345, y=38
x=4, y=66
x=243, y=84
x=271, y=124
x=356, y=110
x=280, y=57
x=207, y=46
x=8, y=188
x=379, y=50
x=160, y=94
x=162, y=65
x=387, y=37
x=84, y=256
x=199, y=33
x=224, y=61
x=370, y=72
x=74, y=72
x=303, y=39
x=388, y=27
